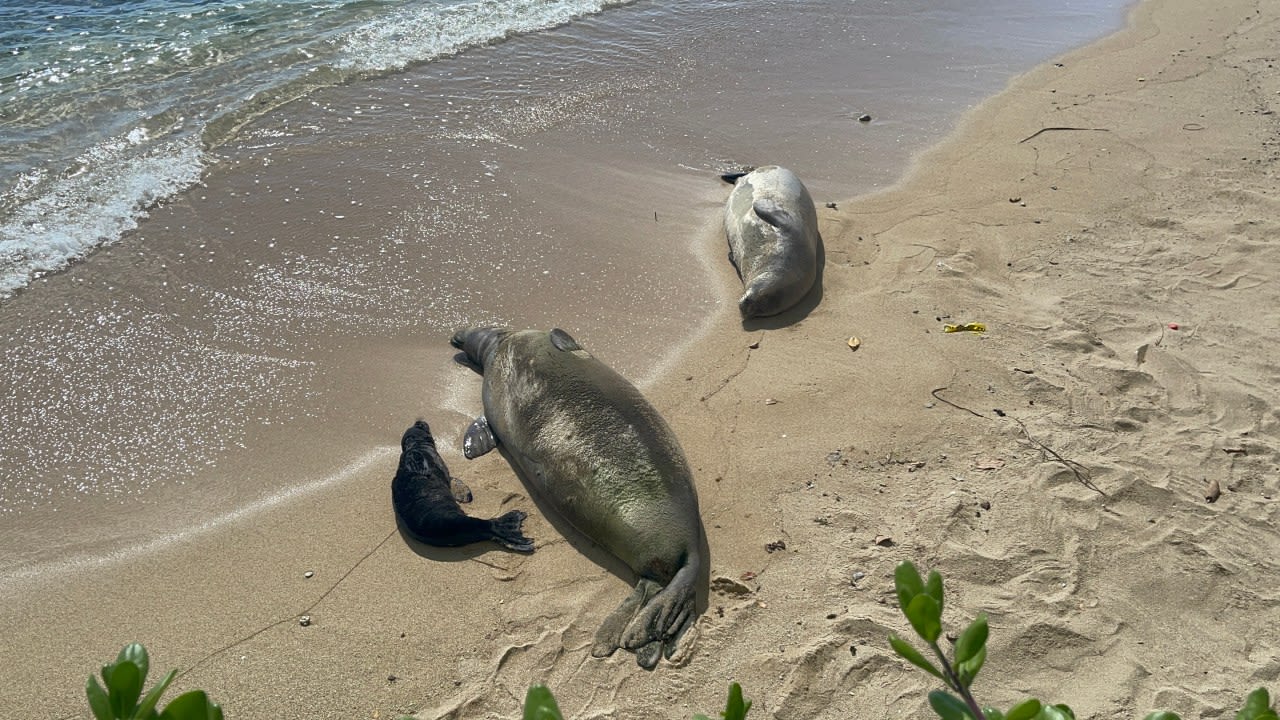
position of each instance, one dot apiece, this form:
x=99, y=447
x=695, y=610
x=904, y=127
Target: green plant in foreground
x=122, y=698
x=735, y=708
x=540, y=705
x=921, y=602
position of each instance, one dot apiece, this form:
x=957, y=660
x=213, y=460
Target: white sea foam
x=64, y=218
x=423, y=33
x=50, y=215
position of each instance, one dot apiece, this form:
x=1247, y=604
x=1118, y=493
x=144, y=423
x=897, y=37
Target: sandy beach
x=1111, y=217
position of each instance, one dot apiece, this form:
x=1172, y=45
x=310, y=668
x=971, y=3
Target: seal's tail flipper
x=507, y=531
x=732, y=178
x=609, y=636
x=664, y=619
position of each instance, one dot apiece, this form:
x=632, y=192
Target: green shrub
x=122, y=698
x=920, y=600
x=540, y=705
x=921, y=603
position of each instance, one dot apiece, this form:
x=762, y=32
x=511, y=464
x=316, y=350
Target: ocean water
x=235, y=237
x=108, y=107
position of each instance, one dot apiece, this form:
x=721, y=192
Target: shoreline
x=1077, y=248
x=288, y=314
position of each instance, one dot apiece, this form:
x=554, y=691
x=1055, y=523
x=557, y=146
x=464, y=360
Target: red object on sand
x=1173, y=326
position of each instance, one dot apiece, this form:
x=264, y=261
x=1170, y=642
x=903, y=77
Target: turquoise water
x=108, y=107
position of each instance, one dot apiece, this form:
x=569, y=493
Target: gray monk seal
x=772, y=227
x=604, y=459
x=425, y=497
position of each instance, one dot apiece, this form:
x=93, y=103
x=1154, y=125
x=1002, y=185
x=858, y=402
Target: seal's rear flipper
x=647, y=655
x=733, y=177
x=609, y=636
x=507, y=532
x=478, y=440
x=664, y=619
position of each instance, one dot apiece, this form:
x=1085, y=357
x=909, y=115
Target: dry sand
x=1053, y=469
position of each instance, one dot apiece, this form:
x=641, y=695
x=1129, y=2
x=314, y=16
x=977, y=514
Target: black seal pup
x=604, y=460
x=772, y=227
x=426, y=500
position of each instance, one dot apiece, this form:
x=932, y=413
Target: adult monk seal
x=425, y=497
x=772, y=228
x=600, y=455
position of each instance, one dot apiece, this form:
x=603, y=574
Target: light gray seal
x=595, y=451
x=772, y=227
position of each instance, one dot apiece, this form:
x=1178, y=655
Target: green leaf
x=99, y=703
x=925, y=617
x=124, y=684
x=1024, y=710
x=973, y=639
x=193, y=705
x=147, y=707
x=906, y=580
x=948, y=706
x=540, y=705
x=933, y=588
x=968, y=670
x=993, y=714
x=1055, y=712
x=1162, y=715
x=1255, y=705
x=136, y=654
x=736, y=708
x=913, y=656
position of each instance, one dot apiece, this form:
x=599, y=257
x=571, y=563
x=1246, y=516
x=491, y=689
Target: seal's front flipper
x=507, y=531
x=772, y=212
x=609, y=636
x=479, y=439
x=564, y=341
x=459, y=489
